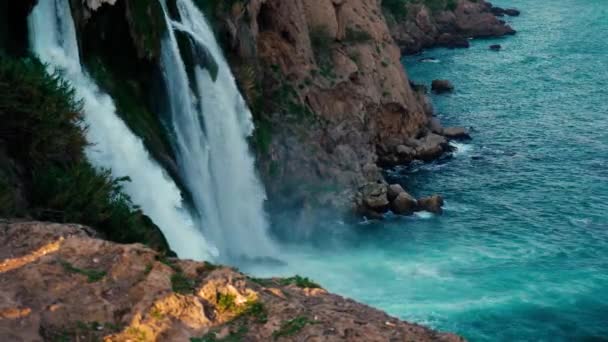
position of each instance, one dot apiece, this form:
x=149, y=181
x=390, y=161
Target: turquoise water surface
x=521, y=252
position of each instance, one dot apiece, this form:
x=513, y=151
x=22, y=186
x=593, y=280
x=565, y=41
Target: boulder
x=442, y=86
x=404, y=204
x=512, y=12
x=435, y=125
x=393, y=191
x=456, y=133
x=499, y=12
x=431, y=147
x=375, y=197
x=431, y=204
x=496, y=47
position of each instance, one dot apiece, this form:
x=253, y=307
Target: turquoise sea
x=521, y=252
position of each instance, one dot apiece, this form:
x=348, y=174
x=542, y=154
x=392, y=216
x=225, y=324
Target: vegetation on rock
x=44, y=172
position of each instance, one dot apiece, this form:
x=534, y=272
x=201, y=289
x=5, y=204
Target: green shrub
x=356, y=36
x=299, y=281
x=42, y=131
x=291, y=327
x=92, y=275
x=182, y=284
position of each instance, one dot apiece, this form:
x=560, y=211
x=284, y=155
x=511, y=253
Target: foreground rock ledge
x=61, y=282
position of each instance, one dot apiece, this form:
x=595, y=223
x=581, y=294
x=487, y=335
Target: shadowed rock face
x=60, y=281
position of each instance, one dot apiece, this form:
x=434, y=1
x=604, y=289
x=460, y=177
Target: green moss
x=181, y=284
x=92, y=275
x=291, y=327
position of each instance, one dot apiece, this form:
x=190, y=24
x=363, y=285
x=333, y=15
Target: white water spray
x=114, y=146
x=211, y=125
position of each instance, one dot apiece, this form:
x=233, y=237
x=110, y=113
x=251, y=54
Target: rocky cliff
x=331, y=99
x=422, y=26
x=61, y=283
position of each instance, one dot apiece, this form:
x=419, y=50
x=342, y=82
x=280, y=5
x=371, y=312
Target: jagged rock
x=57, y=282
x=404, y=204
x=394, y=190
x=456, y=133
x=431, y=147
x=495, y=47
x=431, y=204
x=375, y=197
x=442, y=86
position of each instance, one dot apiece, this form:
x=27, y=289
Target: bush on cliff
x=43, y=136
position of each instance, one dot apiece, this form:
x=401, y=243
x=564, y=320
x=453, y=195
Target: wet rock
x=431, y=204
x=456, y=133
x=404, y=204
x=442, y=86
x=393, y=191
x=431, y=147
x=374, y=199
x=452, y=41
x=496, y=47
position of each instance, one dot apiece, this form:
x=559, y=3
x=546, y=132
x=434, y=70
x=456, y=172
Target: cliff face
x=328, y=92
x=58, y=282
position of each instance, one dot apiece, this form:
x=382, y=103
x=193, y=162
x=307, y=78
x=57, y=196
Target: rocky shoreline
x=61, y=282
x=338, y=106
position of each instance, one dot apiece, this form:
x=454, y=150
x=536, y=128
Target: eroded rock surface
x=59, y=282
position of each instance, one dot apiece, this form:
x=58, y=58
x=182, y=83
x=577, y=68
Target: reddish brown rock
x=431, y=204
x=58, y=282
x=404, y=204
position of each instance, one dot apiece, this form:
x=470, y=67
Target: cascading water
x=211, y=125
x=114, y=146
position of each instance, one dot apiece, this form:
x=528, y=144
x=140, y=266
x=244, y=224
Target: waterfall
x=114, y=146
x=211, y=123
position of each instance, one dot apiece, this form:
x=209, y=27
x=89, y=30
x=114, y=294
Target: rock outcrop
x=424, y=28
x=442, y=86
x=59, y=282
x=328, y=92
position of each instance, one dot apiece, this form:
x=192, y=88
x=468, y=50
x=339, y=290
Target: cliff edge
x=60, y=282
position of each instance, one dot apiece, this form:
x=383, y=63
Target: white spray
x=114, y=146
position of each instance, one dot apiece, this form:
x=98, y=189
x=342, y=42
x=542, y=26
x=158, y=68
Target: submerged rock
x=456, y=133
x=495, y=47
x=394, y=190
x=442, y=86
x=431, y=204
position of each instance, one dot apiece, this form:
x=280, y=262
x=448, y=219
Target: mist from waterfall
x=113, y=145
x=211, y=123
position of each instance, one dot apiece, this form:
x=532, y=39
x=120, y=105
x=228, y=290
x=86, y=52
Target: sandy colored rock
x=89, y=289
